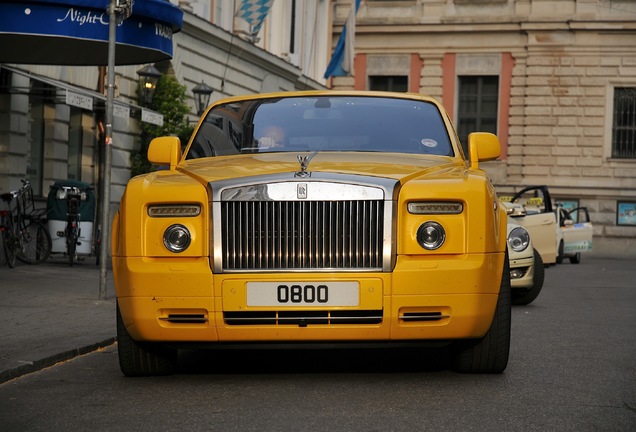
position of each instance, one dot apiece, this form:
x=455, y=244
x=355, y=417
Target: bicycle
x=24, y=235
x=72, y=232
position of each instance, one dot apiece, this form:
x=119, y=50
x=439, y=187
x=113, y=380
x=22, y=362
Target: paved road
x=571, y=369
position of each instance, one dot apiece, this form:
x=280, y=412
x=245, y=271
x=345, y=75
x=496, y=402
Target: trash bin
x=57, y=209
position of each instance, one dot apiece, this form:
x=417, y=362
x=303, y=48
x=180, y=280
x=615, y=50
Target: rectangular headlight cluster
x=174, y=210
x=435, y=207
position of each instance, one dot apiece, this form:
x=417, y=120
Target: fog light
x=176, y=238
x=516, y=274
x=431, y=235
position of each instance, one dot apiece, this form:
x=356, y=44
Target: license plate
x=303, y=294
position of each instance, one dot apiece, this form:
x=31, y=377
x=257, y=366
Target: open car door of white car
x=574, y=234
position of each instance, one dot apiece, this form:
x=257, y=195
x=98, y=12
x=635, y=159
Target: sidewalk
x=50, y=313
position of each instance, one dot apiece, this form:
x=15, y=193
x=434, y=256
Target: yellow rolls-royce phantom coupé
x=315, y=217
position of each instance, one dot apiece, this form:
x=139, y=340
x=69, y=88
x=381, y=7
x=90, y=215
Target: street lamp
x=148, y=78
x=202, y=93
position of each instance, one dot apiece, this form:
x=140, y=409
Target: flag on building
x=341, y=63
x=254, y=12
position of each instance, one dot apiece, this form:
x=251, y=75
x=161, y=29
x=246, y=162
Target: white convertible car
x=556, y=233
x=526, y=266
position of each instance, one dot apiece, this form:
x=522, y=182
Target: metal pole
x=105, y=195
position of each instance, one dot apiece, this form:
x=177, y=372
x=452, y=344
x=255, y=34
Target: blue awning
x=75, y=32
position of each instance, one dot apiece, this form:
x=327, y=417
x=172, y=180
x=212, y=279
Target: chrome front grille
x=317, y=222
x=297, y=235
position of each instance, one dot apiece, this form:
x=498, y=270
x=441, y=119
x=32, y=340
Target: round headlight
x=176, y=238
x=431, y=235
x=518, y=239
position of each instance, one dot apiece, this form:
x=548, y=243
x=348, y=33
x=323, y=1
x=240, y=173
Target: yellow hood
x=396, y=166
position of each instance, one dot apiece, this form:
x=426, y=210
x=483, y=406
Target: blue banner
x=76, y=32
x=254, y=12
x=341, y=63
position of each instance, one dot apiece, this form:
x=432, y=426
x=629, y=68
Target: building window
x=42, y=99
x=75, y=135
x=477, y=106
x=624, y=123
x=389, y=83
x=292, y=30
x=41, y=96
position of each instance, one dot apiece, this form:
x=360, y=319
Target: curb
x=37, y=365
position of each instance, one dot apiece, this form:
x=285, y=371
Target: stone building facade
x=554, y=79
x=46, y=138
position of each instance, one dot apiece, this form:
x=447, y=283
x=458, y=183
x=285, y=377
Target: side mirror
x=513, y=210
x=482, y=147
x=165, y=151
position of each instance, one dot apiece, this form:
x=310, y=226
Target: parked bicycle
x=71, y=211
x=24, y=235
x=72, y=232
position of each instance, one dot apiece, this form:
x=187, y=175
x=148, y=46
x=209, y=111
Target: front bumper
x=522, y=272
x=180, y=300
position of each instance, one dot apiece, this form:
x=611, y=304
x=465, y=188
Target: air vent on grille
x=304, y=318
x=185, y=318
x=265, y=235
x=423, y=316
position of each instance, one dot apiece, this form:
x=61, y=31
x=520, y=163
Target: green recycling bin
x=57, y=210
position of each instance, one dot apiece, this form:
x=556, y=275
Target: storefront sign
x=79, y=100
x=67, y=32
x=121, y=111
x=151, y=117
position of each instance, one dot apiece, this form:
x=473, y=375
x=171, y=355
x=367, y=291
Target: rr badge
x=301, y=191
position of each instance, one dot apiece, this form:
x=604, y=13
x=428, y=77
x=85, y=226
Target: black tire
x=525, y=296
x=35, y=243
x=576, y=258
x=8, y=245
x=490, y=353
x=559, y=258
x=142, y=359
x=71, y=243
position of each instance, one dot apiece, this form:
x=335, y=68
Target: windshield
x=322, y=123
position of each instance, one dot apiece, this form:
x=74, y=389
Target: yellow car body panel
x=209, y=275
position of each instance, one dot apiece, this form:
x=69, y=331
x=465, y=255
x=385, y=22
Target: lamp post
x=148, y=78
x=118, y=11
x=202, y=93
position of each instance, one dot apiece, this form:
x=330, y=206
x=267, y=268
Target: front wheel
x=525, y=296
x=36, y=243
x=490, y=353
x=559, y=258
x=142, y=359
x=576, y=258
x=71, y=242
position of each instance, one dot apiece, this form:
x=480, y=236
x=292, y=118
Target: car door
x=576, y=230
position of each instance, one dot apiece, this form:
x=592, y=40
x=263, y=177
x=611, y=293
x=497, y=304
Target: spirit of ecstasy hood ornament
x=304, y=162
